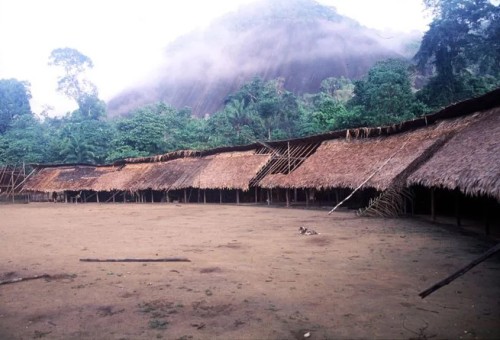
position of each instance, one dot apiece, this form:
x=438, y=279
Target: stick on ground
x=168, y=259
x=460, y=272
x=20, y=279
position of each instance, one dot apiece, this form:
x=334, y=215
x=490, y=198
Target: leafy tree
x=14, y=101
x=461, y=50
x=25, y=141
x=385, y=95
x=74, y=84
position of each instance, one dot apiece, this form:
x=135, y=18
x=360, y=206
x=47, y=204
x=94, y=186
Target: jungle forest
x=458, y=58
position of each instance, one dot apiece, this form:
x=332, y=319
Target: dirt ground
x=251, y=275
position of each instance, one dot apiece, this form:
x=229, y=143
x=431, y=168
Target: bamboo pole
x=369, y=177
x=492, y=251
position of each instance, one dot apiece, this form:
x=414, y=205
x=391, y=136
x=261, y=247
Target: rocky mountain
x=300, y=41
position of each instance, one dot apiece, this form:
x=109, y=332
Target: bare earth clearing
x=251, y=276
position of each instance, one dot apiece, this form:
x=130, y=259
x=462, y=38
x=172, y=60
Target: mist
x=300, y=41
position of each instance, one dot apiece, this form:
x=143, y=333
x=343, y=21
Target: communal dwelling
x=443, y=163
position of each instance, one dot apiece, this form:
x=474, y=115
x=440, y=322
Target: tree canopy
x=461, y=50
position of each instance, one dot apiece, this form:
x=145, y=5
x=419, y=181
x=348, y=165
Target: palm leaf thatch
x=347, y=163
x=469, y=161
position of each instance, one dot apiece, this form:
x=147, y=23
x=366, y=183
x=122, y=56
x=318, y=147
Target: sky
x=125, y=38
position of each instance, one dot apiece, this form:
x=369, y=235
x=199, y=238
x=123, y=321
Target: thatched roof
x=231, y=170
x=347, y=163
x=470, y=161
x=66, y=178
x=345, y=158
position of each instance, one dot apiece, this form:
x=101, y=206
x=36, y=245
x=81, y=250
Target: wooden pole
x=486, y=214
x=256, y=196
x=185, y=196
x=307, y=198
x=220, y=196
x=152, y=196
x=295, y=195
x=337, y=196
x=204, y=197
x=268, y=196
x=461, y=272
x=369, y=177
x=433, y=206
x=457, y=207
x=237, y=196
x=287, y=193
x=168, y=259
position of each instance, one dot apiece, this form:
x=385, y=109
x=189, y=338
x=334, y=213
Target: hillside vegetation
x=458, y=58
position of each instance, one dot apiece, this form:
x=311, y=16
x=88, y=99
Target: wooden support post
x=65, y=197
x=268, y=197
x=486, y=215
x=199, y=194
x=256, y=196
x=152, y=196
x=457, y=207
x=295, y=195
x=114, y=194
x=337, y=196
x=307, y=198
x=237, y=196
x=278, y=195
x=185, y=196
x=97, y=195
x=433, y=207
x=220, y=196
x=287, y=193
x=204, y=197
x=167, y=197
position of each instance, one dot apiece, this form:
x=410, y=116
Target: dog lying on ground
x=307, y=231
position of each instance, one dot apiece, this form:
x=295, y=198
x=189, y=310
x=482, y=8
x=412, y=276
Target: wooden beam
x=168, y=259
x=460, y=272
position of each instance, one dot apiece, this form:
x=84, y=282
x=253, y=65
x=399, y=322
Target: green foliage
x=73, y=82
x=14, y=101
x=385, y=95
x=25, y=141
x=461, y=50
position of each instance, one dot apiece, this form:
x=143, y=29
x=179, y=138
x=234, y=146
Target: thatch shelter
x=346, y=163
x=469, y=162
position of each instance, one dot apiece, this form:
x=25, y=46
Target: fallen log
x=458, y=273
x=168, y=259
x=20, y=279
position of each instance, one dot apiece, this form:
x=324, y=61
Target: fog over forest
x=274, y=70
